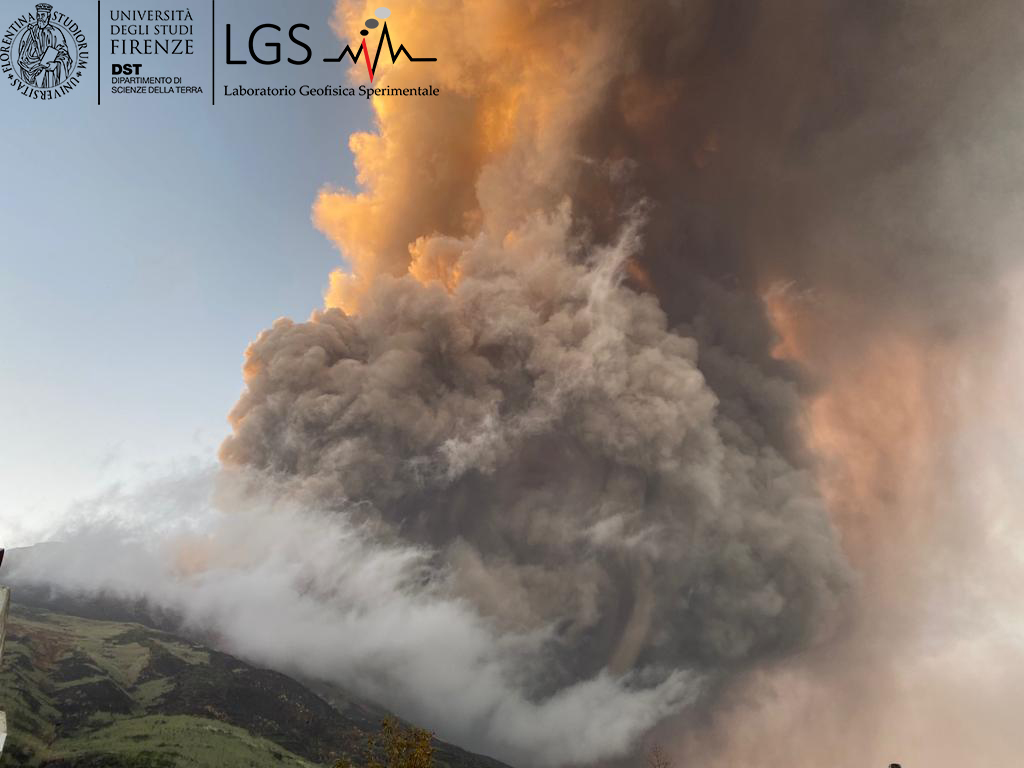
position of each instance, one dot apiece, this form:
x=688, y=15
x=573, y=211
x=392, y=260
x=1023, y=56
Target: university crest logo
x=43, y=54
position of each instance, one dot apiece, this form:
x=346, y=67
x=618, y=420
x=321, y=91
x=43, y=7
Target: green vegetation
x=82, y=693
x=181, y=740
x=396, y=746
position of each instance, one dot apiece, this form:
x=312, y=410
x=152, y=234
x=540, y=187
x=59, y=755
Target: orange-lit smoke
x=876, y=426
x=926, y=671
x=497, y=145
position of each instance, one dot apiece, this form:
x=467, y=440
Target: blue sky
x=147, y=241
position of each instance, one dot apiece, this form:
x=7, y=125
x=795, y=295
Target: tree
x=656, y=758
x=395, y=746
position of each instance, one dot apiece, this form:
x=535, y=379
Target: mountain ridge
x=85, y=692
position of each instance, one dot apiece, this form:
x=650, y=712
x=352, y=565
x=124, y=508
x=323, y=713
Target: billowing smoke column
x=497, y=392
x=540, y=428
x=610, y=297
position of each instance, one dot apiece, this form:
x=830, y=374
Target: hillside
x=85, y=693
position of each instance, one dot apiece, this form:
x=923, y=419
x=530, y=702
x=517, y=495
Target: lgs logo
x=361, y=50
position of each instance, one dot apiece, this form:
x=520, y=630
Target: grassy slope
x=80, y=692
x=158, y=742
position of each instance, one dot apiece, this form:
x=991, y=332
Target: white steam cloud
x=321, y=597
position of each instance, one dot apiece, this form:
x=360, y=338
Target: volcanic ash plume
x=542, y=429
x=610, y=298
x=486, y=384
